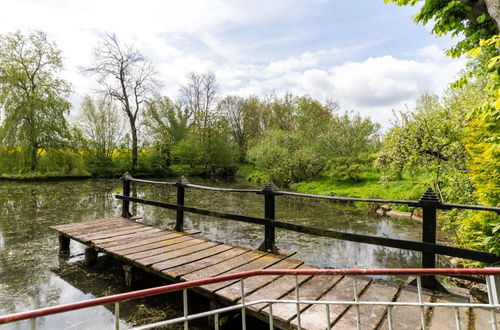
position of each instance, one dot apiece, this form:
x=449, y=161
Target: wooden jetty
x=183, y=256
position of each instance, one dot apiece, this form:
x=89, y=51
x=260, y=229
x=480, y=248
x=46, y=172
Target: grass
x=369, y=185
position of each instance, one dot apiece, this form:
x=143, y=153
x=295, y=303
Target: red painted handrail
x=191, y=284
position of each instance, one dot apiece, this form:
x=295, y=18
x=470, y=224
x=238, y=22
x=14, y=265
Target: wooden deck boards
x=180, y=256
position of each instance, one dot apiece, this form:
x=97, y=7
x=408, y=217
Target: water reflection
x=32, y=275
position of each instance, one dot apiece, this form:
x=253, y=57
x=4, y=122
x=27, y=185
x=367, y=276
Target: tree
x=127, y=76
x=474, y=19
x=348, y=144
x=166, y=123
x=199, y=97
x=32, y=95
x=101, y=126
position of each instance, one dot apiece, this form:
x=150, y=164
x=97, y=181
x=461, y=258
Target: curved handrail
x=191, y=284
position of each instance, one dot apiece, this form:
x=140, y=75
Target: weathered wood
x=407, y=317
x=223, y=267
x=311, y=289
x=444, y=317
x=163, y=249
x=232, y=292
x=64, y=242
x=370, y=316
x=159, y=247
x=85, y=223
x=128, y=272
x=276, y=289
x=138, y=233
x=149, y=244
x=165, y=265
x=175, y=253
x=260, y=263
x=141, y=241
x=181, y=270
x=98, y=236
x=315, y=316
x=90, y=256
x=482, y=319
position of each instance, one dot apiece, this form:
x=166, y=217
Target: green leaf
x=480, y=19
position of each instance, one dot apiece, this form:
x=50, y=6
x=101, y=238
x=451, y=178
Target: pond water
x=33, y=275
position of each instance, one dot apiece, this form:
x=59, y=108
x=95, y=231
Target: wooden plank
x=163, y=249
x=315, y=316
x=311, y=289
x=203, y=263
x=89, y=223
x=260, y=263
x=97, y=229
x=407, y=317
x=176, y=253
x=121, y=238
x=160, y=241
x=482, y=319
x=150, y=239
x=444, y=317
x=132, y=241
x=276, y=289
x=370, y=316
x=232, y=292
x=203, y=254
x=225, y=266
x=118, y=231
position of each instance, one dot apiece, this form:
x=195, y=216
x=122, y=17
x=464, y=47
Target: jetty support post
x=90, y=256
x=430, y=202
x=126, y=192
x=269, y=243
x=180, y=184
x=64, y=242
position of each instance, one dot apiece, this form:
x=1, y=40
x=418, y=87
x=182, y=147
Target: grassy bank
x=369, y=185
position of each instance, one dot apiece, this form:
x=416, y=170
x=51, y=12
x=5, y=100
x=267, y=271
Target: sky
x=368, y=56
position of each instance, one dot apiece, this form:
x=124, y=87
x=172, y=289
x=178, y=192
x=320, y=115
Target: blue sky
x=368, y=55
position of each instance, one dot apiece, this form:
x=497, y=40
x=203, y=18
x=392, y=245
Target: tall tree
x=101, y=126
x=199, y=97
x=32, y=95
x=127, y=76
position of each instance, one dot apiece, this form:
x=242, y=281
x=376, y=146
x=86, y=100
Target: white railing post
x=117, y=316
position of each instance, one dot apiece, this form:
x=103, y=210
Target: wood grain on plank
x=163, y=249
x=407, y=317
x=315, y=316
x=175, y=253
x=277, y=289
x=204, y=263
x=203, y=254
x=232, y=293
x=156, y=242
x=260, y=263
x=312, y=289
x=225, y=266
x=370, y=315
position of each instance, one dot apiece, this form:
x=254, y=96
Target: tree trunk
x=494, y=10
x=133, y=130
x=34, y=158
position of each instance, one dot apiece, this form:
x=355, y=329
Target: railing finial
x=182, y=181
x=269, y=187
x=126, y=176
x=429, y=196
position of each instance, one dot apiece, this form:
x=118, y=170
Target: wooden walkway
x=181, y=256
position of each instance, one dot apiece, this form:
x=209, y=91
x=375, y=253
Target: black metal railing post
x=179, y=222
x=429, y=202
x=126, y=192
x=269, y=243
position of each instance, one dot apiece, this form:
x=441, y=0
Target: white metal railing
x=492, y=276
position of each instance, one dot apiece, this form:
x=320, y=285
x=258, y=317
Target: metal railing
x=429, y=202
x=492, y=279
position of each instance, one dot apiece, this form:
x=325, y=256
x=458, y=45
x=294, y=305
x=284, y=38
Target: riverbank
x=369, y=185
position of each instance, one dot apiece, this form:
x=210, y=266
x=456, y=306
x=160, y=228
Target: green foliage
x=32, y=96
x=287, y=157
x=467, y=18
x=349, y=144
